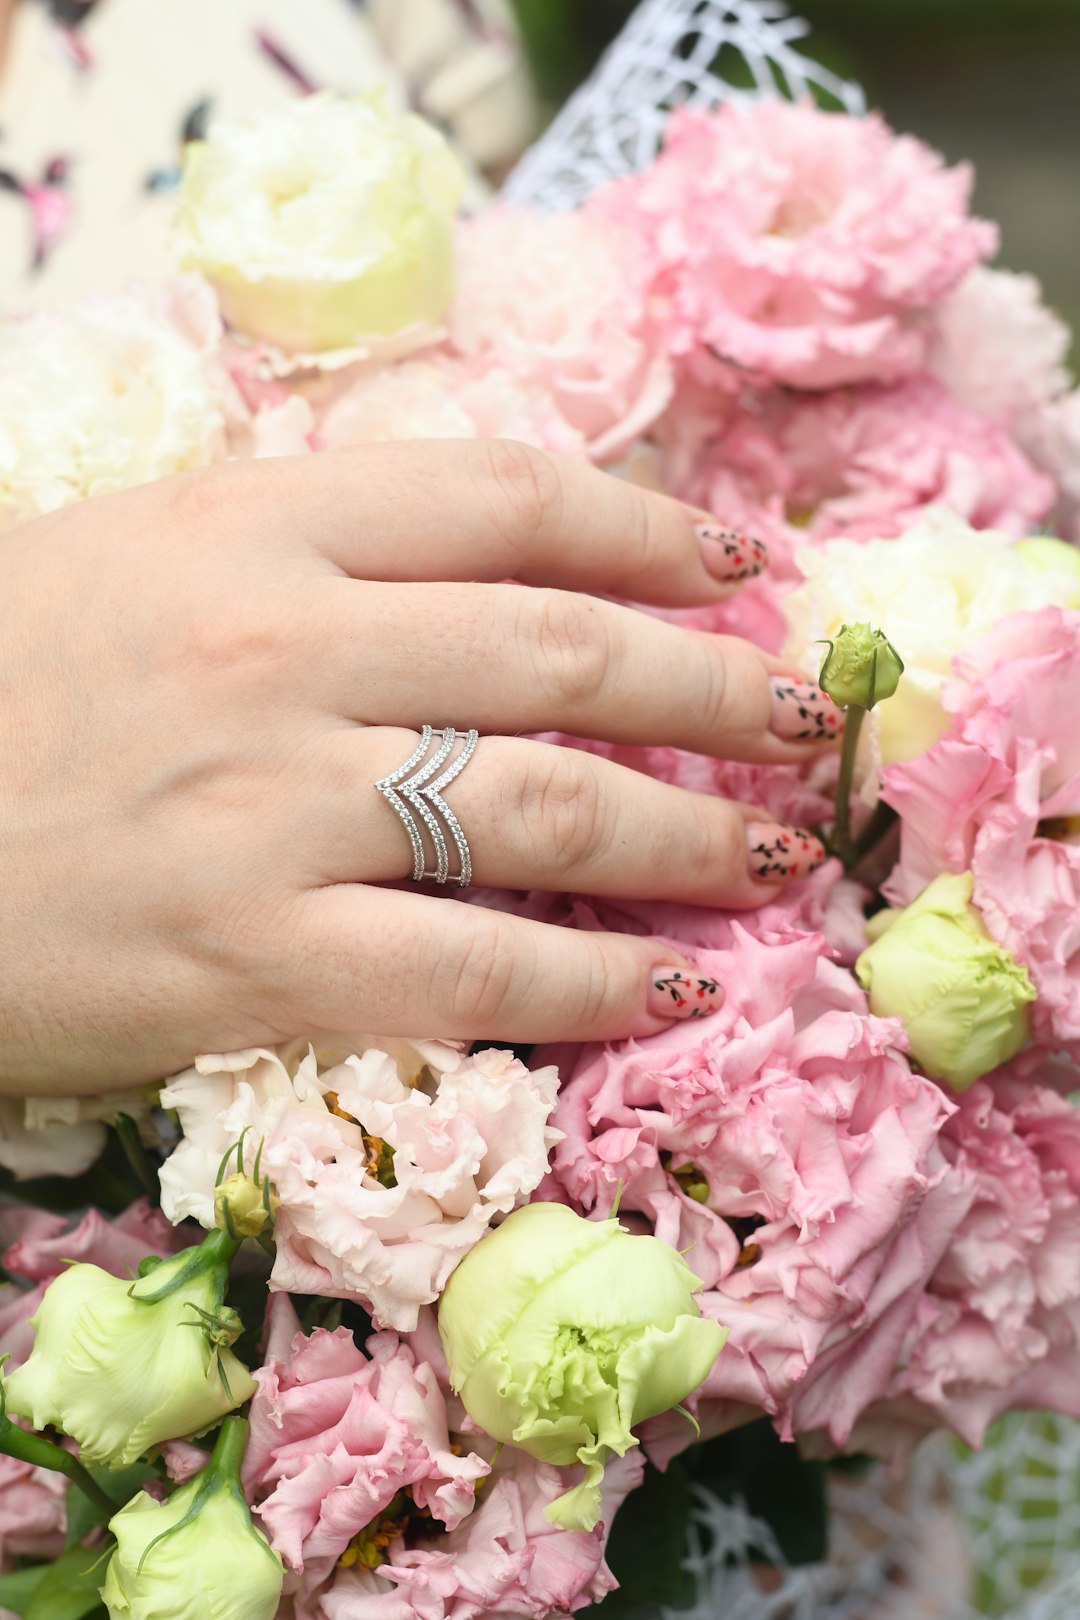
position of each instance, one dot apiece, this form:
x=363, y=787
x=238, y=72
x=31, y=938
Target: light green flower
x=322, y=222
x=962, y=997
x=121, y=1366
x=861, y=667
x=197, y=1556
x=561, y=1334
x=1057, y=564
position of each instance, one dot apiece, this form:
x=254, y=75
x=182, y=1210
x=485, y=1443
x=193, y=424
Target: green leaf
x=71, y=1587
x=119, y=1483
x=17, y=1590
x=778, y=1485
x=648, y=1544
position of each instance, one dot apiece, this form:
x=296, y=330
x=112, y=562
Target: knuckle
x=715, y=696
x=573, y=645
x=523, y=488
x=564, y=810
x=471, y=985
x=595, y=989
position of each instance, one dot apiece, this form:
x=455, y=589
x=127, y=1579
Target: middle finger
x=509, y=658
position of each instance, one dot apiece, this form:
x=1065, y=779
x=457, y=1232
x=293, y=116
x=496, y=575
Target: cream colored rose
x=323, y=221
x=102, y=396
x=932, y=591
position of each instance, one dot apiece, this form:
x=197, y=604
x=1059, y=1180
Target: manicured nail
x=778, y=853
x=730, y=556
x=676, y=992
x=801, y=711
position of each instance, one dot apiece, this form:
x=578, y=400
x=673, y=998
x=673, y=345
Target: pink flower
x=997, y=348
x=32, y=1513
x=786, y=1147
x=856, y=463
x=439, y=397
x=336, y=1434
x=562, y=303
x=999, y=795
x=997, y=1327
x=1052, y=438
x=799, y=246
x=388, y=1163
x=505, y=1559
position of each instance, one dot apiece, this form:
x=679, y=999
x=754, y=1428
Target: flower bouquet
x=425, y=1333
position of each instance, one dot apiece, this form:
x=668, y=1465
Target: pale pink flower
x=439, y=397
x=562, y=303
x=505, y=1559
x=388, y=1164
x=800, y=246
x=1053, y=440
x=859, y=464
x=998, y=1326
x=999, y=795
x=785, y=1146
x=337, y=1433
x=997, y=348
x=32, y=1513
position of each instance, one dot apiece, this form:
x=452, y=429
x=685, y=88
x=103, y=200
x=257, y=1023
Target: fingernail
x=730, y=556
x=778, y=852
x=676, y=992
x=801, y=711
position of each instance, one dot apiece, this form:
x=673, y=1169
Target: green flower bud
x=244, y=1207
x=561, y=1334
x=962, y=997
x=1059, y=565
x=197, y=1554
x=121, y=1366
x=861, y=667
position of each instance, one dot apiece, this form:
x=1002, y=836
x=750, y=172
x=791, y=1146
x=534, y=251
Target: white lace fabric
x=995, y=1533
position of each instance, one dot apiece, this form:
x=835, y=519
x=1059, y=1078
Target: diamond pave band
x=410, y=792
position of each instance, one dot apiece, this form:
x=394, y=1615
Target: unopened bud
x=243, y=1207
x=861, y=667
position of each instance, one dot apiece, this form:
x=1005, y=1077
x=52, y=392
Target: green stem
x=136, y=1155
x=227, y=1457
x=843, y=843
x=34, y=1448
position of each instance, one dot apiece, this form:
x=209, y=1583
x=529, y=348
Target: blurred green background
x=996, y=81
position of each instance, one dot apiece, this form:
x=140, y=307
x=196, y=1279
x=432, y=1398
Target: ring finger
x=538, y=816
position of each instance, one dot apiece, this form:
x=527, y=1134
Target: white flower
x=102, y=396
x=62, y=1136
x=932, y=591
x=322, y=221
x=387, y=1165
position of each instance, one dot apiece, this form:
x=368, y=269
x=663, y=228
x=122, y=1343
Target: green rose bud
x=861, y=667
x=197, y=1554
x=962, y=997
x=244, y=1207
x=561, y=1334
x=1058, y=563
x=121, y=1366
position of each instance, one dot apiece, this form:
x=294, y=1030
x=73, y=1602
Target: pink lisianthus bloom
x=999, y=795
x=783, y=1145
x=337, y=1433
x=997, y=348
x=799, y=246
x=562, y=303
x=32, y=1513
x=1052, y=438
x=440, y=397
x=997, y=1328
x=505, y=1559
x=389, y=1160
x=858, y=464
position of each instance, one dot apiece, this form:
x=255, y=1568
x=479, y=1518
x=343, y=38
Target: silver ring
x=423, y=796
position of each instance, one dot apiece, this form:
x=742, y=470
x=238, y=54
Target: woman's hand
x=201, y=680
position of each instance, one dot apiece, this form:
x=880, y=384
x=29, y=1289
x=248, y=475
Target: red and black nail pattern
x=778, y=853
x=678, y=993
x=802, y=712
x=730, y=556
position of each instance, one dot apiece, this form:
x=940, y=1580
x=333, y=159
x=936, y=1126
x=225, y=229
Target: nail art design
x=778, y=853
x=802, y=712
x=675, y=993
x=731, y=556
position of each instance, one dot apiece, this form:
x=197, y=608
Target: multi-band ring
x=411, y=792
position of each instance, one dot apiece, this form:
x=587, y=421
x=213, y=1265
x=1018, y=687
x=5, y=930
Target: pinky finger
x=417, y=964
